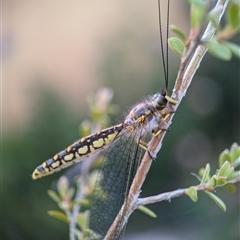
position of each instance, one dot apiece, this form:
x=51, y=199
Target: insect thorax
x=144, y=117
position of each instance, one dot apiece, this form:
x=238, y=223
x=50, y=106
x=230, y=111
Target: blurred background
x=55, y=53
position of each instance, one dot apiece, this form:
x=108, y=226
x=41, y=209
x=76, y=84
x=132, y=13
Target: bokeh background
x=55, y=53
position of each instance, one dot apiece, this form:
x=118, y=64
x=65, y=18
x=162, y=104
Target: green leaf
x=82, y=221
x=230, y=187
x=221, y=181
x=234, y=175
x=85, y=127
x=233, y=16
x=178, y=32
x=219, y=50
x=197, y=11
x=213, y=181
x=201, y=172
x=70, y=192
x=236, y=163
x=224, y=156
x=217, y=200
x=78, y=234
x=192, y=193
x=90, y=234
x=176, y=45
x=230, y=172
x=59, y=215
x=62, y=186
x=54, y=196
x=234, y=150
x=147, y=211
x=83, y=202
x=206, y=173
x=224, y=169
x=234, y=48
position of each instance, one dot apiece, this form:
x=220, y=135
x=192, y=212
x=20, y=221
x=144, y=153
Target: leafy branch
x=75, y=202
x=226, y=176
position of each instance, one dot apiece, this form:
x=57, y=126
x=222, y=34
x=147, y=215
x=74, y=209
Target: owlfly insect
x=124, y=144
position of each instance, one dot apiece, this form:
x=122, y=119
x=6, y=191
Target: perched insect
x=144, y=117
x=122, y=160
x=124, y=144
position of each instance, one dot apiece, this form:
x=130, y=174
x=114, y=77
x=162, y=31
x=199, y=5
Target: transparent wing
x=114, y=181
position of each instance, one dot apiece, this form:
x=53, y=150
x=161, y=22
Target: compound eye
x=161, y=102
x=160, y=99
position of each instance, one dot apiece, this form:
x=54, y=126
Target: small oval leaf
x=85, y=127
x=201, y=172
x=230, y=187
x=234, y=48
x=234, y=150
x=54, y=196
x=90, y=234
x=62, y=186
x=217, y=200
x=82, y=221
x=206, y=173
x=59, y=215
x=224, y=156
x=78, y=234
x=197, y=11
x=233, y=16
x=213, y=181
x=221, y=181
x=236, y=163
x=147, y=211
x=192, y=193
x=70, y=193
x=234, y=175
x=229, y=172
x=219, y=50
x=224, y=169
x=176, y=45
x=178, y=32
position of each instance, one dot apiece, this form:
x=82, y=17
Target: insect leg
x=144, y=146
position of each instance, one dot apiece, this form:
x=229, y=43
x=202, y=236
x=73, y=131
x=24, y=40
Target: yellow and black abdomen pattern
x=83, y=148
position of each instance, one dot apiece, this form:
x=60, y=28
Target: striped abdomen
x=83, y=148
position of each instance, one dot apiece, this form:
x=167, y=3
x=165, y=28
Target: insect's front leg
x=158, y=130
x=164, y=115
x=144, y=146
